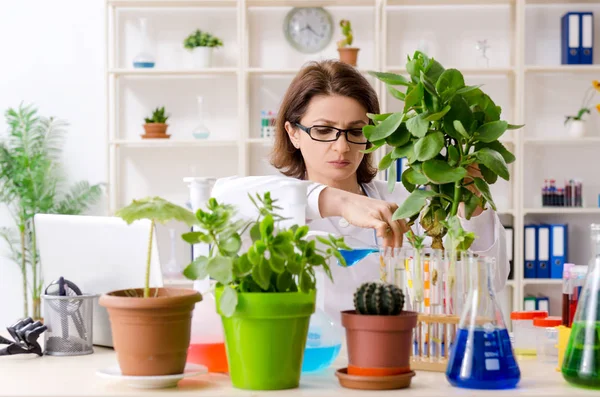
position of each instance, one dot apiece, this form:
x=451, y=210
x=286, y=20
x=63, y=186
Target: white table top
x=29, y=375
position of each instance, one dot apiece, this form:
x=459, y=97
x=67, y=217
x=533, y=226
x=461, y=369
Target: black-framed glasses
x=324, y=133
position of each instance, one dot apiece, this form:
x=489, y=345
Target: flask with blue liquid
x=481, y=356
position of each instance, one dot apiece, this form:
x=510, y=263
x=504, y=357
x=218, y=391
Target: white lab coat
x=491, y=240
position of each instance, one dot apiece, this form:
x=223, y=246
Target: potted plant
x=576, y=123
x=449, y=133
x=156, y=125
x=151, y=328
x=265, y=295
x=347, y=53
x=202, y=44
x=379, y=338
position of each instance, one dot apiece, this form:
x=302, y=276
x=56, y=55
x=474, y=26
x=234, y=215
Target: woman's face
x=331, y=161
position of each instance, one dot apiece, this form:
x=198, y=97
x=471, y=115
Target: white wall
x=53, y=56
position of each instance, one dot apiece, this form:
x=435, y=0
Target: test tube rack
x=429, y=352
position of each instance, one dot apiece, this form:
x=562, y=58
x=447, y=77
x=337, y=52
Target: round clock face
x=308, y=29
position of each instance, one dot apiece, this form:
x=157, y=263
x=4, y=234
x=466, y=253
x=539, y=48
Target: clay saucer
x=374, y=382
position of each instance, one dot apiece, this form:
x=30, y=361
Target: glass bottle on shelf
x=482, y=356
x=581, y=362
x=145, y=58
x=483, y=60
x=201, y=131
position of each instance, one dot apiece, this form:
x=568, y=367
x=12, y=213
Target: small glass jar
x=524, y=331
x=547, y=338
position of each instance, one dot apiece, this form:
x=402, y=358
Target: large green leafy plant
x=279, y=259
x=444, y=127
x=156, y=209
x=32, y=181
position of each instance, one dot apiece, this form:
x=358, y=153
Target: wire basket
x=69, y=320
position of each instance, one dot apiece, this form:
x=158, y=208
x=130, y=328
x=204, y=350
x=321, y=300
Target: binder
x=510, y=250
x=543, y=251
x=558, y=249
x=543, y=304
x=530, y=246
x=529, y=303
x=570, y=38
x=586, y=50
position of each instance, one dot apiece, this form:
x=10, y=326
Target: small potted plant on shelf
x=202, y=44
x=156, y=125
x=577, y=123
x=379, y=339
x=151, y=327
x=347, y=53
x=265, y=295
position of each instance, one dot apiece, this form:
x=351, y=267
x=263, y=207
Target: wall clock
x=308, y=29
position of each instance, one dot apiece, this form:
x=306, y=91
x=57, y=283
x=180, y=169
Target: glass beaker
x=581, y=363
x=482, y=356
x=144, y=59
x=201, y=131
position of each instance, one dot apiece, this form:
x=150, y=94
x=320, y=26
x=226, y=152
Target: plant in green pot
x=379, y=339
x=151, y=326
x=449, y=134
x=265, y=295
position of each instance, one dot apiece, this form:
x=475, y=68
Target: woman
x=319, y=139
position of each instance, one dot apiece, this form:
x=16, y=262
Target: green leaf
x=377, y=117
x=385, y=162
x=449, y=82
x=413, y=204
x=266, y=227
x=255, y=232
x=494, y=161
x=460, y=129
x=301, y=232
x=499, y=147
x=414, y=177
x=387, y=127
x=461, y=111
x=157, y=209
x=197, y=270
x=277, y=263
x=407, y=184
x=483, y=187
x=468, y=88
x=261, y=274
x=434, y=71
x=417, y=125
x=195, y=237
x=403, y=151
x=231, y=245
x=390, y=78
x=413, y=97
x=438, y=115
x=391, y=182
x=439, y=172
x=368, y=130
x=396, y=93
x=284, y=281
x=515, y=127
x=429, y=146
x=376, y=145
x=453, y=156
x=253, y=256
x=221, y=269
x=490, y=132
x=428, y=84
x=242, y=266
x=228, y=301
x=471, y=202
x=489, y=176
x=400, y=137
x=306, y=282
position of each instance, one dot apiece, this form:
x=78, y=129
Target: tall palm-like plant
x=31, y=182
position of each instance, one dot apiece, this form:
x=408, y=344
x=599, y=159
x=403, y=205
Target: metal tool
x=25, y=333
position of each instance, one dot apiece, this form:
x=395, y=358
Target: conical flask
x=144, y=58
x=481, y=356
x=581, y=363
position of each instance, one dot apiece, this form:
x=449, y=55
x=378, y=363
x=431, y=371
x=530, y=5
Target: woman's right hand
x=365, y=212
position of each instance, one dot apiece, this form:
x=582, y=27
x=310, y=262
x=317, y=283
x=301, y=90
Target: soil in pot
x=156, y=131
x=151, y=335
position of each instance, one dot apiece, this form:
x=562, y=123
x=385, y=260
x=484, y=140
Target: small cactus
x=378, y=299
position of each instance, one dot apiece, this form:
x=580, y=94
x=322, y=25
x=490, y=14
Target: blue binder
x=543, y=251
x=570, y=38
x=558, y=249
x=586, y=50
x=530, y=251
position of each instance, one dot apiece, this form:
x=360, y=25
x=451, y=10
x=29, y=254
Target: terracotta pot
x=156, y=131
x=151, y=335
x=378, y=345
x=349, y=55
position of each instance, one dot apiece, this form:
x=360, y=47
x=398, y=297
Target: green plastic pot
x=265, y=339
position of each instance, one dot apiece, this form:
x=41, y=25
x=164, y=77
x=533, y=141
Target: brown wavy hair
x=329, y=77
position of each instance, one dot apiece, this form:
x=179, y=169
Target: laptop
x=99, y=254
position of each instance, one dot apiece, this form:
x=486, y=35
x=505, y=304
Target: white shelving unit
x=518, y=76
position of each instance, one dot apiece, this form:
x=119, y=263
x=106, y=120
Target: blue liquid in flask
x=319, y=358
x=484, y=361
x=354, y=256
